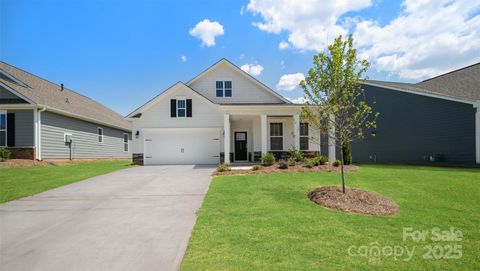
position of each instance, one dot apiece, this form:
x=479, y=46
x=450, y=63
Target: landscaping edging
x=297, y=168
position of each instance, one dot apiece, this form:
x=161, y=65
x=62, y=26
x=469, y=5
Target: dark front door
x=241, y=146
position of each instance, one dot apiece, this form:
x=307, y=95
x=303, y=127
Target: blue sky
x=122, y=53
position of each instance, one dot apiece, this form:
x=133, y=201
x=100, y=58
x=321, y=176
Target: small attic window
x=223, y=88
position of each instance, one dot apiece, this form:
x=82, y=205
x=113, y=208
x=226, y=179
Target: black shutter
x=173, y=108
x=189, y=108
x=11, y=129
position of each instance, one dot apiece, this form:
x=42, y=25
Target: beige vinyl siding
x=204, y=115
x=85, y=141
x=244, y=90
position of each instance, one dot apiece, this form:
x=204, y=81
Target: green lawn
x=266, y=222
x=26, y=181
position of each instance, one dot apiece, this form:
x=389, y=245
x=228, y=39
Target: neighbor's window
x=276, y=136
x=181, y=108
x=304, y=136
x=223, y=88
x=100, y=135
x=3, y=129
x=125, y=142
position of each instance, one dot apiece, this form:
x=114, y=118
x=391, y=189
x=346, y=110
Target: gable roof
x=154, y=100
x=462, y=85
x=247, y=75
x=43, y=93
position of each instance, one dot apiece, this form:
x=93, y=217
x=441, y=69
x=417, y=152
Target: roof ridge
x=50, y=82
x=443, y=74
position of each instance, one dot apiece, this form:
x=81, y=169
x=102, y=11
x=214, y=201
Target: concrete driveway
x=134, y=219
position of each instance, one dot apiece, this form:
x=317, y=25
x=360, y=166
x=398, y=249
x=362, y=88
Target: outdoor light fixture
x=374, y=133
x=137, y=134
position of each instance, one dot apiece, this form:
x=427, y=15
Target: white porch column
x=263, y=133
x=226, y=138
x=477, y=133
x=296, y=131
x=332, y=156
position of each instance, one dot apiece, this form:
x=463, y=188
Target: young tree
x=335, y=100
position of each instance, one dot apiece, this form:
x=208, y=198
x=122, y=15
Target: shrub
x=296, y=154
x=347, y=153
x=291, y=161
x=322, y=159
x=257, y=167
x=309, y=162
x=268, y=159
x=336, y=163
x=4, y=154
x=223, y=167
x=282, y=164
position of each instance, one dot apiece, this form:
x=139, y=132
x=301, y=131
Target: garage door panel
x=182, y=147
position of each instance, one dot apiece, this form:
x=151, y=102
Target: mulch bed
x=12, y=163
x=297, y=168
x=353, y=201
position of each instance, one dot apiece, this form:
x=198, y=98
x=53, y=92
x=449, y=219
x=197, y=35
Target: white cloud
x=427, y=38
x=253, y=69
x=207, y=31
x=289, y=82
x=282, y=64
x=242, y=10
x=311, y=24
x=183, y=58
x=283, y=45
x=299, y=100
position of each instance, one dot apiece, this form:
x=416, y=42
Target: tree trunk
x=341, y=169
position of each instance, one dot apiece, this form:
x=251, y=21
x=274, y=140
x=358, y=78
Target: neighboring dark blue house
x=433, y=121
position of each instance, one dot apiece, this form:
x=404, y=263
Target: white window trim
x=270, y=135
x=102, y=135
x=127, y=143
x=4, y=112
x=223, y=89
x=184, y=108
x=307, y=136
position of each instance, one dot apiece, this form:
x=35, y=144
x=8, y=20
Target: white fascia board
x=419, y=93
x=164, y=94
x=18, y=106
x=240, y=71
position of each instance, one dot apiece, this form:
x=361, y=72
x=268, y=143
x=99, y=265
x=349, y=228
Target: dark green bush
x=268, y=159
x=4, y=154
x=322, y=159
x=336, y=163
x=291, y=161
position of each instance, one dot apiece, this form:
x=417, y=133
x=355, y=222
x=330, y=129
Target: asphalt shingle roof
x=462, y=84
x=45, y=93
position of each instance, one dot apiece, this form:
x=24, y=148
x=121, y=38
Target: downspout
x=39, y=133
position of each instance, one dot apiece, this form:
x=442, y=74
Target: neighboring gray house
x=436, y=120
x=42, y=120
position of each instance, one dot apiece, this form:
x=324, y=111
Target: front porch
x=249, y=135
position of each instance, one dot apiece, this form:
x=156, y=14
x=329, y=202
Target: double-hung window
x=276, y=136
x=125, y=142
x=100, y=135
x=181, y=108
x=3, y=128
x=223, y=88
x=304, y=136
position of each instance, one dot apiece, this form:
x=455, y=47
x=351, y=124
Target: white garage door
x=192, y=146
